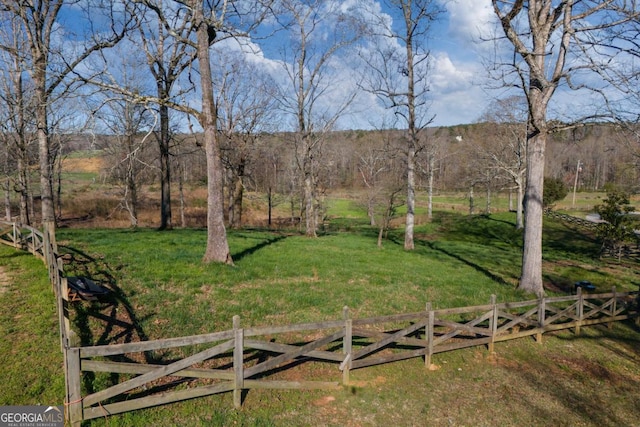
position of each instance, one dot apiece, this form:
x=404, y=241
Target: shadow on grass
x=493, y=276
x=571, y=380
x=253, y=249
x=113, y=311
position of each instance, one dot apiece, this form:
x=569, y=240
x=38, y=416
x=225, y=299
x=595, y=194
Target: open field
x=163, y=290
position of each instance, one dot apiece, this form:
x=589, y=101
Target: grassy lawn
x=30, y=355
x=162, y=290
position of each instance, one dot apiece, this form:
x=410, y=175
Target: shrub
x=617, y=231
x=554, y=190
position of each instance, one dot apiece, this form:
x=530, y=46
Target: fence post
x=579, y=309
x=238, y=362
x=541, y=318
x=428, y=335
x=73, y=385
x=493, y=324
x=637, y=307
x=347, y=345
x=614, y=307
x=15, y=236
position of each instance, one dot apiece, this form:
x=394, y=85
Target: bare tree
x=246, y=106
x=398, y=74
x=547, y=40
x=319, y=30
x=51, y=66
x=127, y=120
x=505, y=145
x=17, y=123
x=167, y=58
x=205, y=24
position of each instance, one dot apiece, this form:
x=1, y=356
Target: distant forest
x=459, y=157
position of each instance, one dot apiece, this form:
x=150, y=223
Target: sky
x=458, y=91
x=457, y=87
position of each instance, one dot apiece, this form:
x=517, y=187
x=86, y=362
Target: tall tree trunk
x=411, y=197
x=238, y=193
x=519, y=202
x=44, y=152
x=309, y=207
x=7, y=199
x=132, y=189
x=430, y=184
x=217, y=246
x=23, y=185
x=269, y=205
x=487, y=209
x=531, y=279
x=183, y=221
x=165, y=167
x=471, y=201
x=413, y=132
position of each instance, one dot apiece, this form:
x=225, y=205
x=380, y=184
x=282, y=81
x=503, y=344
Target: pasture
x=163, y=290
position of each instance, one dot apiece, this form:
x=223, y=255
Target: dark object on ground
x=83, y=288
x=585, y=285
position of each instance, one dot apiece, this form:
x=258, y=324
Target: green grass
x=162, y=289
x=30, y=353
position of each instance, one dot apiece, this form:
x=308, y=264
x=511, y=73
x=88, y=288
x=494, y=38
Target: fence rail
x=244, y=358
x=248, y=358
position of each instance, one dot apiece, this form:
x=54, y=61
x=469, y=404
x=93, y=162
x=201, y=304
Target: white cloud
x=446, y=77
x=470, y=20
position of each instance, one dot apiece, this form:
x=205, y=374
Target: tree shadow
x=253, y=249
x=570, y=386
x=491, y=275
x=111, y=318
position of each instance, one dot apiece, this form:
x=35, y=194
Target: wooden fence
x=245, y=357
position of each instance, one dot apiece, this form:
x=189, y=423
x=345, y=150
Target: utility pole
x=575, y=184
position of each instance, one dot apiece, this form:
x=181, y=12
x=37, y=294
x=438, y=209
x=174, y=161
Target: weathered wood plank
x=274, y=362
x=73, y=386
x=568, y=313
x=466, y=327
x=141, y=346
x=516, y=335
x=139, y=369
x=291, y=385
x=456, y=345
x=366, y=333
x=462, y=310
x=404, y=317
x=159, y=372
x=155, y=400
x=524, y=318
x=457, y=329
x=272, y=330
x=389, y=339
x=395, y=357
x=238, y=362
x=284, y=348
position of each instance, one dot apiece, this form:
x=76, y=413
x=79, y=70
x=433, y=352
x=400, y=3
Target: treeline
x=459, y=158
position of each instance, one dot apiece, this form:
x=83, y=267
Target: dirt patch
x=5, y=280
x=92, y=165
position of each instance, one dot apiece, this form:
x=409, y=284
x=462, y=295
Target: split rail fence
x=245, y=357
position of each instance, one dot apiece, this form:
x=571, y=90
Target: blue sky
x=458, y=92
x=459, y=87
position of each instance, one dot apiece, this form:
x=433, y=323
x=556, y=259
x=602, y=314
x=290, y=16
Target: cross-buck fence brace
x=244, y=357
